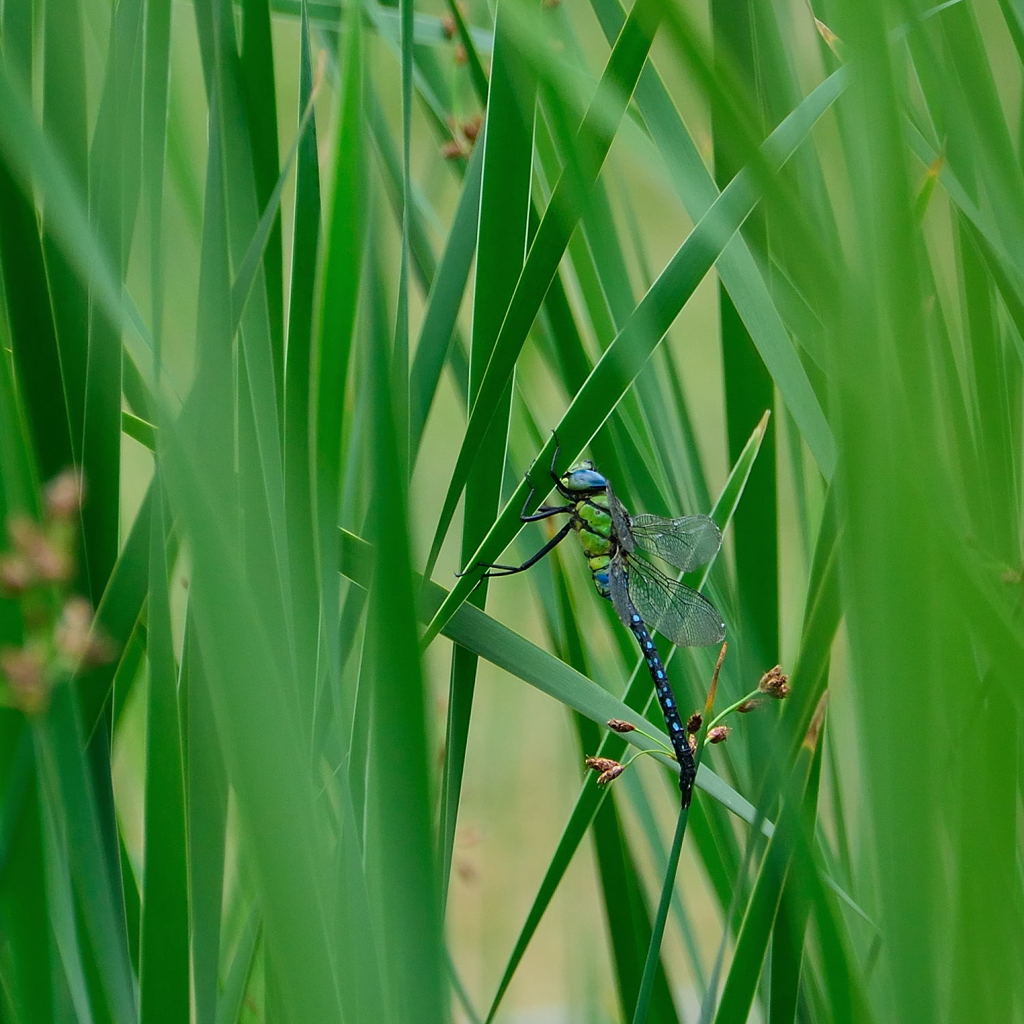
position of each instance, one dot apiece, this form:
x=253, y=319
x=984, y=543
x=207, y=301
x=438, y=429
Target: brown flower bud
x=452, y=150
x=600, y=764
x=749, y=705
x=466, y=871
x=612, y=773
x=22, y=531
x=64, y=493
x=448, y=26
x=25, y=673
x=618, y=725
x=53, y=565
x=774, y=683
x=75, y=637
x=460, y=54
x=694, y=722
x=16, y=574
x=471, y=128
x=48, y=560
x=719, y=734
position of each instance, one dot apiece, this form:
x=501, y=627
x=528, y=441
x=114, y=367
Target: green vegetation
x=296, y=290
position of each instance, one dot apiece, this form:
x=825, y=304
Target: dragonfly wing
x=621, y=521
x=618, y=587
x=686, y=543
x=672, y=608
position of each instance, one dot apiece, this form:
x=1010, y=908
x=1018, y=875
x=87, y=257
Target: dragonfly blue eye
x=584, y=479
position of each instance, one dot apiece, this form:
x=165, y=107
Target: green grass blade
x=33, y=162
x=339, y=303
x=69, y=798
x=398, y=795
x=400, y=354
x=207, y=805
x=643, y=1002
x=256, y=65
x=114, y=173
x=67, y=123
x=27, y=897
x=33, y=332
x=439, y=319
x=164, y=960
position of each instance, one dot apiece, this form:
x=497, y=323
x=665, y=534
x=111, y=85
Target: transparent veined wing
x=620, y=521
x=686, y=543
x=672, y=608
x=618, y=587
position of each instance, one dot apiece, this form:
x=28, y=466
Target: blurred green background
x=300, y=290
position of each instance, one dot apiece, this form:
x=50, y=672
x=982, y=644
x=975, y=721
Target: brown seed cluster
x=75, y=637
x=613, y=773
x=618, y=725
x=64, y=495
x=59, y=635
x=464, y=132
x=608, y=768
x=455, y=148
x=24, y=671
x=774, y=683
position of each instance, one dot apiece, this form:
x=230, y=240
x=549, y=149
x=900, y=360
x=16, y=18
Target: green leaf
x=164, y=956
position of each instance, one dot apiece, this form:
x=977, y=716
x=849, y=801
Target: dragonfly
x=644, y=598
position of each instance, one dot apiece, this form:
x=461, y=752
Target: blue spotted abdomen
x=666, y=698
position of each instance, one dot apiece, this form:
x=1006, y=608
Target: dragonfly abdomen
x=669, y=708
x=599, y=571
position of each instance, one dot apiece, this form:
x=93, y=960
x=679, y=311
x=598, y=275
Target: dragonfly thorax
x=592, y=521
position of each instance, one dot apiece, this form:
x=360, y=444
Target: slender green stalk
x=660, y=918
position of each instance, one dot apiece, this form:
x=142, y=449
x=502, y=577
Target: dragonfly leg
x=529, y=498
x=553, y=473
x=543, y=512
x=511, y=570
x=547, y=510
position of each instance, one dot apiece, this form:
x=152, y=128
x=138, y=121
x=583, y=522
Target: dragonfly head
x=582, y=478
